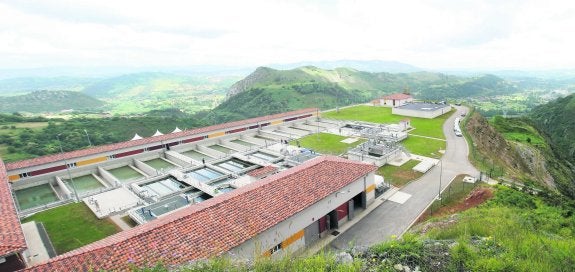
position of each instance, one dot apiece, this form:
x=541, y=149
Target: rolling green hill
x=49, y=101
x=268, y=91
x=142, y=92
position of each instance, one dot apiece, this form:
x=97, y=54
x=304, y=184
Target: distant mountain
x=22, y=85
x=49, y=101
x=362, y=65
x=425, y=85
x=268, y=90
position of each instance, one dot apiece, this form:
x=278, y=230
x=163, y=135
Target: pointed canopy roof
x=136, y=137
x=158, y=133
x=177, y=130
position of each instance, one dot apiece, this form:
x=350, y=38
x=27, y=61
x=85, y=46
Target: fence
x=456, y=191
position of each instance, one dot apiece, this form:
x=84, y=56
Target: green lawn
x=326, y=143
x=72, y=226
x=424, y=127
x=399, y=176
x=423, y=146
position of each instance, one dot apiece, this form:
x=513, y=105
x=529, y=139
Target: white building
x=421, y=110
x=393, y=100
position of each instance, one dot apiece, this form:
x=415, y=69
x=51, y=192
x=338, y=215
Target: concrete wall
x=262, y=243
x=389, y=102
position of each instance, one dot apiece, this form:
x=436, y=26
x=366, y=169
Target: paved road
x=391, y=218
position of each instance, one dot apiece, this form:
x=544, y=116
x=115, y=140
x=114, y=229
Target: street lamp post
x=68, y=169
x=88, y=136
x=440, y=176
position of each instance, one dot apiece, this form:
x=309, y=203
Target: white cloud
x=435, y=34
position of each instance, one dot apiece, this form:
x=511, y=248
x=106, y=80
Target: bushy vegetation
x=20, y=140
x=49, y=101
x=72, y=226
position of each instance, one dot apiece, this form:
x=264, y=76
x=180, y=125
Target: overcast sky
x=435, y=34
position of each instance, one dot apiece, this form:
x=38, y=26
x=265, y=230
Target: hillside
x=267, y=90
x=49, y=101
x=556, y=121
x=514, y=149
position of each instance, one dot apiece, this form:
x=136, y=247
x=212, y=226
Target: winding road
x=393, y=219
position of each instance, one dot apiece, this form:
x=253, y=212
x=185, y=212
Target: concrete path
x=392, y=218
x=421, y=136
x=37, y=251
x=117, y=219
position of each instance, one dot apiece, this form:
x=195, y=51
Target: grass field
x=423, y=146
x=326, y=143
x=6, y=129
x=399, y=176
x=72, y=226
x=424, y=127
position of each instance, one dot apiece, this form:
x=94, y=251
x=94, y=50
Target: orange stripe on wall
x=277, y=122
x=370, y=188
x=287, y=242
x=91, y=161
x=13, y=177
x=217, y=134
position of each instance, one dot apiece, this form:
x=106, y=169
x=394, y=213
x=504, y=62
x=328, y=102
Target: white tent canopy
x=137, y=137
x=158, y=133
x=177, y=130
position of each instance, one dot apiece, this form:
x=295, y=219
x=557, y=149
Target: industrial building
x=421, y=110
x=197, y=194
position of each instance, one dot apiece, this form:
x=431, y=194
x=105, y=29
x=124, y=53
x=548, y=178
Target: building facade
x=279, y=214
x=393, y=100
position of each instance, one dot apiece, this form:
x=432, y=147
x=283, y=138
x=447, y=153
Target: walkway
x=421, y=136
x=392, y=218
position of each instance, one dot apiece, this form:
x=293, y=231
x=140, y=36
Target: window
x=276, y=248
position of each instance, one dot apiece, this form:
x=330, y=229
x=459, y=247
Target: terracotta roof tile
x=262, y=171
x=217, y=225
x=11, y=236
x=156, y=139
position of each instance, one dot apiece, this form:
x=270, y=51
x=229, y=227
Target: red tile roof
x=217, y=225
x=262, y=171
x=149, y=140
x=11, y=236
x=397, y=96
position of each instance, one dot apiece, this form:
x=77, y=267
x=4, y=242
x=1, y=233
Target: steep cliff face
x=520, y=149
x=493, y=146
x=250, y=81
